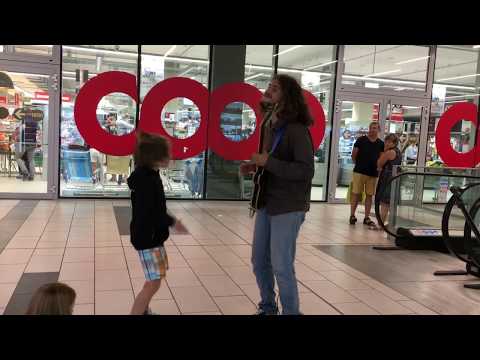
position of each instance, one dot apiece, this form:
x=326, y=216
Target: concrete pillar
x=228, y=65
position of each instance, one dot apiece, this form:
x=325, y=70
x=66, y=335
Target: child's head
x=52, y=299
x=152, y=151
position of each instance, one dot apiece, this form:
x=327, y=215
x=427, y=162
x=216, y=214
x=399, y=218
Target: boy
x=150, y=224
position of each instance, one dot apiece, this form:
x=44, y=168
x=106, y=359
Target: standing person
x=149, y=228
x=411, y=151
x=288, y=161
x=391, y=157
x=366, y=151
x=28, y=143
x=52, y=299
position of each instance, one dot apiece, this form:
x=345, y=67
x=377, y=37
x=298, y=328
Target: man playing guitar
x=284, y=169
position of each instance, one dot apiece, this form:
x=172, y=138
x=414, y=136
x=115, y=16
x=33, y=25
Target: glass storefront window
x=456, y=79
x=386, y=67
x=314, y=67
x=84, y=170
x=180, y=116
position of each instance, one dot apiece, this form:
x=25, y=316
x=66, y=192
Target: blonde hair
x=52, y=299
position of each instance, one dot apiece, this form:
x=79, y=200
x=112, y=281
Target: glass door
x=404, y=117
x=28, y=122
x=352, y=118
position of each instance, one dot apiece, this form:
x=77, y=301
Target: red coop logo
x=211, y=105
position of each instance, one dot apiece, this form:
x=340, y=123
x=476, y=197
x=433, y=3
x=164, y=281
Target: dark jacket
x=289, y=170
x=150, y=220
x=29, y=133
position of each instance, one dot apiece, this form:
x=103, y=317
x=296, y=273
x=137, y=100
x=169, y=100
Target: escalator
x=423, y=215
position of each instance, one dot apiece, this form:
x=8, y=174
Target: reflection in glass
x=181, y=118
x=238, y=121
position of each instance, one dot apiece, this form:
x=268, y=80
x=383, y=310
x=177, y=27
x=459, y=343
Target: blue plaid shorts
x=154, y=263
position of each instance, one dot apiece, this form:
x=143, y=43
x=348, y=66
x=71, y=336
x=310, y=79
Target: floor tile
x=162, y=294
x=15, y=256
x=416, y=307
x=184, y=240
x=175, y=260
x=110, y=262
x=330, y=292
x=235, y=305
x=357, y=308
x=40, y=263
x=79, y=255
x=77, y=271
x=11, y=273
x=241, y=274
x=51, y=244
x=380, y=302
x=117, y=302
x=6, y=291
x=84, y=309
x=85, y=290
x=182, y=277
x=164, y=307
x=19, y=242
x=304, y=273
x=193, y=252
x=310, y=304
x=193, y=299
x=205, y=267
x=220, y=285
x=49, y=252
x=112, y=280
x=344, y=280
x=385, y=290
x=29, y=283
x=116, y=250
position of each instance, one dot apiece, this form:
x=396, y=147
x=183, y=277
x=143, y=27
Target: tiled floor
x=210, y=270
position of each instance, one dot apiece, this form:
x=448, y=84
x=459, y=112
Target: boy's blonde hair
x=52, y=299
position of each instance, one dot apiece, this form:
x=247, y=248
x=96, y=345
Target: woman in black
x=392, y=156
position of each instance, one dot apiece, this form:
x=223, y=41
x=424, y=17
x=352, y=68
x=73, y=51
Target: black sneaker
x=261, y=311
x=352, y=220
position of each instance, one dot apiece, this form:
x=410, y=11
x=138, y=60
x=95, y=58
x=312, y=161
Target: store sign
x=455, y=113
x=211, y=105
x=43, y=95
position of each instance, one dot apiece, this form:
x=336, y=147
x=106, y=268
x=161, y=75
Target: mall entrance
x=29, y=115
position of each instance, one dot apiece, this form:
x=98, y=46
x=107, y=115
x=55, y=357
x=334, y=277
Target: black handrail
x=378, y=195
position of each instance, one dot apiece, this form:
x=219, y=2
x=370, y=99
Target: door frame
x=383, y=101
x=53, y=126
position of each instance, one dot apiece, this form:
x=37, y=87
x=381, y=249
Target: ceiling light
x=372, y=85
x=101, y=51
x=383, y=73
x=476, y=46
x=170, y=51
x=27, y=74
x=288, y=50
x=412, y=60
x=459, y=77
x=254, y=76
x=321, y=65
x=462, y=96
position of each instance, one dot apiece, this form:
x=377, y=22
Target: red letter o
x=456, y=113
x=157, y=98
x=85, y=112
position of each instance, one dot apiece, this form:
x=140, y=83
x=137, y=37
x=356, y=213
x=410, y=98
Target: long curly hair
x=293, y=105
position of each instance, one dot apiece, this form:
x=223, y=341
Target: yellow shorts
x=363, y=183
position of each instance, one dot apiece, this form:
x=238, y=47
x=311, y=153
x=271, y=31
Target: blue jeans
x=273, y=253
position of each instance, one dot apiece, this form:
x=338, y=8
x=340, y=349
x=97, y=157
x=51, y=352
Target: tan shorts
x=363, y=183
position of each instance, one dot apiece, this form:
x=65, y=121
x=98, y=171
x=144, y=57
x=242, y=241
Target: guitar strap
x=278, y=137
